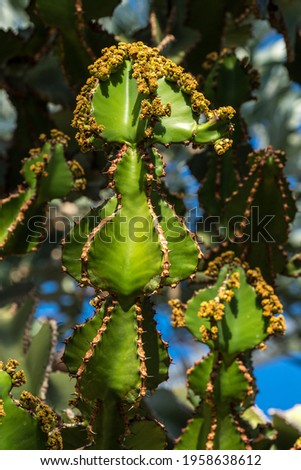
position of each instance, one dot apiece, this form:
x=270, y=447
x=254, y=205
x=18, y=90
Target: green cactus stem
x=233, y=317
x=134, y=243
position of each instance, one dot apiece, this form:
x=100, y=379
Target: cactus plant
x=135, y=244
x=233, y=317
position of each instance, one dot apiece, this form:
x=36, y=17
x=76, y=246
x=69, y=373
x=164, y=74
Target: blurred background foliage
x=45, y=48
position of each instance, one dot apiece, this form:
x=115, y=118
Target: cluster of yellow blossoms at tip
x=17, y=377
x=215, y=266
x=148, y=66
x=56, y=136
x=270, y=303
x=177, y=313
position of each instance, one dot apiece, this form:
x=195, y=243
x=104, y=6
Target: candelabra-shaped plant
x=134, y=243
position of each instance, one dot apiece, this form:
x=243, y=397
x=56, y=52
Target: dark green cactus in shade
x=47, y=175
x=226, y=80
x=263, y=195
x=247, y=190
x=27, y=423
x=233, y=317
x=134, y=243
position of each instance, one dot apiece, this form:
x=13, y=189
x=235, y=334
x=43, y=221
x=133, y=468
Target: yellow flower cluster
x=38, y=169
x=205, y=333
x=276, y=325
x=224, y=112
x=111, y=59
x=46, y=417
x=233, y=281
x=177, y=315
x=222, y=145
x=56, y=136
x=215, y=266
x=212, y=309
x=270, y=303
x=148, y=67
x=199, y=103
x=297, y=444
x=86, y=124
x=154, y=108
x=79, y=183
x=17, y=377
x=2, y=410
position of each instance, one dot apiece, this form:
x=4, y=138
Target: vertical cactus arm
x=153, y=350
x=226, y=309
x=220, y=181
x=227, y=81
x=133, y=247
x=222, y=388
x=139, y=363
x=183, y=251
x=39, y=358
x=107, y=425
x=78, y=343
x=117, y=257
